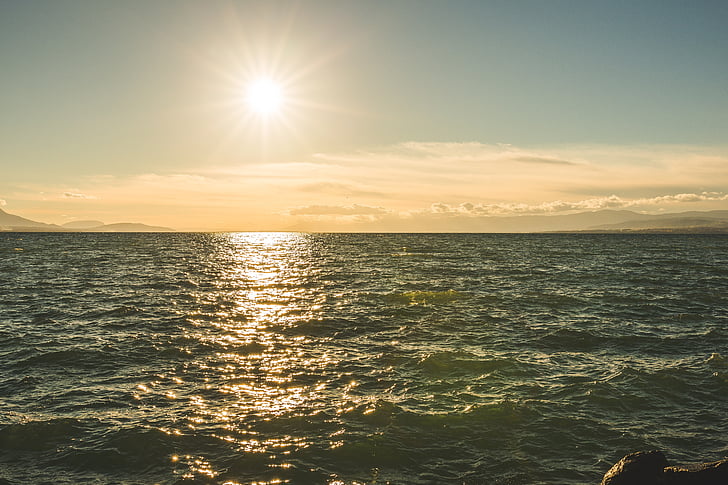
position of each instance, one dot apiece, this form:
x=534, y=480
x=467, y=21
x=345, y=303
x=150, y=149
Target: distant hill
x=673, y=222
x=13, y=223
x=547, y=223
x=590, y=221
x=10, y=222
x=128, y=227
x=82, y=224
x=686, y=222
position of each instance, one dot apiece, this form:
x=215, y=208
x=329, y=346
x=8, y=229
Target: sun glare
x=264, y=97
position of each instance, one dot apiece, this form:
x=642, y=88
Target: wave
x=569, y=339
x=425, y=297
x=39, y=435
x=459, y=364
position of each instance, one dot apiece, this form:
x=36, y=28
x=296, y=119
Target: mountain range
x=13, y=223
x=602, y=221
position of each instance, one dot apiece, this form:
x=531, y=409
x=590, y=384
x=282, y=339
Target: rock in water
x=641, y=468
x=714, y=473
x=651, y=468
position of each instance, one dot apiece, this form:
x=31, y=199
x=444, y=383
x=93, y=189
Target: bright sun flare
x=264, y=96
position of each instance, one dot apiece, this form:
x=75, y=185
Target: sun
x=264, y=96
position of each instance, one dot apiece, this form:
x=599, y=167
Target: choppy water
x=324, y=358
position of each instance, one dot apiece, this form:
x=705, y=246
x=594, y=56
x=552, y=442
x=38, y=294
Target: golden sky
x=359, y=115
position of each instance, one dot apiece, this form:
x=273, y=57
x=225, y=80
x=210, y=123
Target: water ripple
x=342, y=358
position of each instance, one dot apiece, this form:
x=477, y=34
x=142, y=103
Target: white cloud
x=702, y=197
x=3, y=203
x=467, y=216
x=560, y=206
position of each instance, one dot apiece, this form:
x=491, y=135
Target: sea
x=345, y=359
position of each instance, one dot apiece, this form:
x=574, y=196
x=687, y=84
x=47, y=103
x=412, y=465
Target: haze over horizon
x=270, y=115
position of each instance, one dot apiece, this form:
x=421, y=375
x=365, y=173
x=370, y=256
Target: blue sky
x=134, y=110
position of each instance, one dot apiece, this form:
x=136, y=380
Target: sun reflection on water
x=252, y=366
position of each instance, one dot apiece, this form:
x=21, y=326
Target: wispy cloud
x=329, y=210
x=77, y=195
x=504, y=173
x=545, y=160
x=336, y=188
x=425, y=153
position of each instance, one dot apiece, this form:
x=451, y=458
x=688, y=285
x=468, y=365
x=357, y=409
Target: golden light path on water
x=260, y=373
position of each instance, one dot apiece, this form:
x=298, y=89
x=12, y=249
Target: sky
x=391, y=112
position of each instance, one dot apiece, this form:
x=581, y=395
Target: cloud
x=560, y=206
x=469, y=217
x=702, y=197
x=399, y=183
x=336, y=188
x=546, y=160
x=427, y=153
x=332, y=210
x=505, y=179
x=3, y=203
x=76, y=195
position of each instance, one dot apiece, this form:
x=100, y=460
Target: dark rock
x=714, y=473
x=651, y=468
x=641, y=468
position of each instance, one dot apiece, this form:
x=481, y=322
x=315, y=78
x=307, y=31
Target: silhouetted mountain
x=82, y=224
x=569, y=222
x=690, y=222
x=714, y=219
x=13, y=223
x=128, y=227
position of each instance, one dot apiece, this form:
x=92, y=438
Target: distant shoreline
x=680, y=231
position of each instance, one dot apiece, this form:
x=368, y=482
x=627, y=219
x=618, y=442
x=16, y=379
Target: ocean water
x=273, y=358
